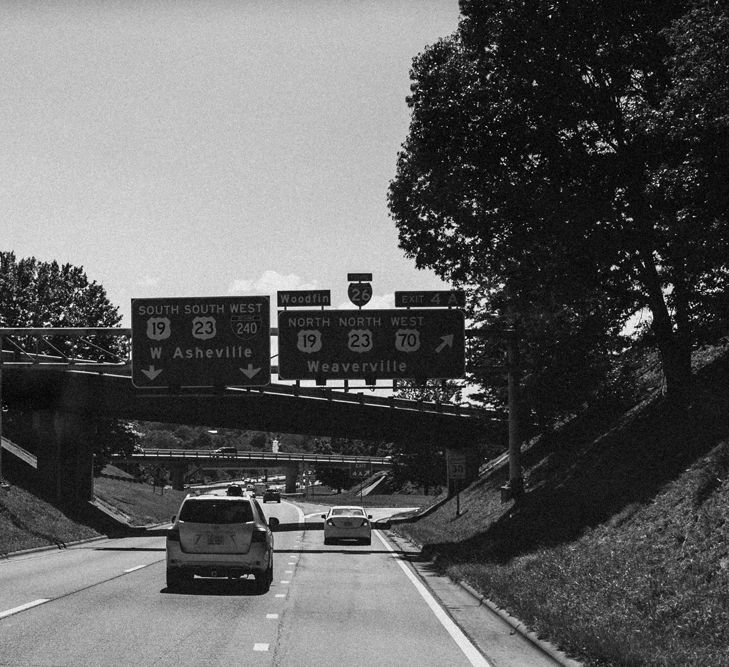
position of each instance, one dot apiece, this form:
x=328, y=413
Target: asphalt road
x=106, y=603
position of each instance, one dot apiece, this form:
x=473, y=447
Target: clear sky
x=210, y=148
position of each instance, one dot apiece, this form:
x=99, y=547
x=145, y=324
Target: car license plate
x=215, y=539
x=347, y=523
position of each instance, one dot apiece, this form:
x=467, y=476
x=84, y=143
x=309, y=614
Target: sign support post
x=515, y=486
x=2, y=484
x=516, y=481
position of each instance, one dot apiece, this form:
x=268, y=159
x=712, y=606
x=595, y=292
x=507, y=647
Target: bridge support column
x=177, y=476
x=63, y=443
x=292, y=474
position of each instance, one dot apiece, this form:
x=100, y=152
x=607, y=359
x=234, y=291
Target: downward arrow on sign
x=151, y=372
x=447, y=341
x=250, y=371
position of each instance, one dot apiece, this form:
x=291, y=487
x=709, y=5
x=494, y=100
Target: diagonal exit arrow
x=151, y=372
x=250, y=371
x=446, y=341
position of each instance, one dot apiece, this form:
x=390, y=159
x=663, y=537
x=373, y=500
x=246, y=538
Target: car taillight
x=330, y=522
x=365, y=522
x=173, y=534
x=258, y=536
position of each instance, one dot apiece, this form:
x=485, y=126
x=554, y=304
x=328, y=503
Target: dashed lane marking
x=23, y=607
x=260, y=647
x=132, y=569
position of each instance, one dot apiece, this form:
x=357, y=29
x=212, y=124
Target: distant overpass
x=252, y=459
x=179, y=460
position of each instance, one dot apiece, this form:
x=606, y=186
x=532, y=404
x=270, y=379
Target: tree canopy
x=567, y=163
x=34, y=293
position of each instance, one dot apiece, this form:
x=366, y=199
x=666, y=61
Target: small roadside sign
x=201, y=342
x=457, y=468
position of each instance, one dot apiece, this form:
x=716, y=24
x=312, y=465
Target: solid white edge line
x=464, y=643
x=23, y=607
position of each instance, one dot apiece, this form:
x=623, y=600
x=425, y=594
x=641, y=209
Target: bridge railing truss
x=108, y=350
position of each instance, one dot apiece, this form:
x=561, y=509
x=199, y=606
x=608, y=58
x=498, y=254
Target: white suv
x=216, y=535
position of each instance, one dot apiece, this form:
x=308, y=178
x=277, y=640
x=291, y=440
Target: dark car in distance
x=225, y=451
x=271, y=494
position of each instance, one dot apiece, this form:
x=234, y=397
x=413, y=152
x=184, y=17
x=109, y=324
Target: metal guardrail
x=19, y=452
x=296, y=457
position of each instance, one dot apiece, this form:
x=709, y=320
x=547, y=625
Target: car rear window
x=207, y=510
x=341, y=511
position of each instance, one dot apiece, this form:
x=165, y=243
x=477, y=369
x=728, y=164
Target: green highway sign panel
x=201, y=342
x=365, y=344
x=431, y=299
x=305, y=298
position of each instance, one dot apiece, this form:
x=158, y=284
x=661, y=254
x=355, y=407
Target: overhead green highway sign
x=201, y=342
x=366, y=344
x=431, y=299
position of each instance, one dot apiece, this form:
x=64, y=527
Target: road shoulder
x=503, y=639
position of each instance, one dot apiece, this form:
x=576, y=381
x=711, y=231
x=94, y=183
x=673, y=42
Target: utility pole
x=2, y=484
x=515, y=486
x=516, y=481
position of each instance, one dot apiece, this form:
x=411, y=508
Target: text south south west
x=227, y=352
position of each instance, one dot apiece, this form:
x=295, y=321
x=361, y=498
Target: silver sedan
x=347, y=523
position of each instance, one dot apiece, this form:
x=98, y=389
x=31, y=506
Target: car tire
x=367, y=541
x=328, y=540
x=279, y=500
x=264, y=580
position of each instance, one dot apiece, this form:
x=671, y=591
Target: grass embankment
x=27, y=522
x=141, y=504
x=388, y=500
x=619, y=549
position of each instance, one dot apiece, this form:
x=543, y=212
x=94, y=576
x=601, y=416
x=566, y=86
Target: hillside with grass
x=619, y=549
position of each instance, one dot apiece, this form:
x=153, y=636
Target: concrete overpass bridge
x=63, y=397
x=179, y=461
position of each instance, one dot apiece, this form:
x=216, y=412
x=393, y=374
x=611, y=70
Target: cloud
x=148, y=281
x=269, y=283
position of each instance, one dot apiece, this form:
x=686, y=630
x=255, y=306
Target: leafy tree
x=422, y=463
x=113, y=436
x=46, y=294
x=431, y=391
x=567, y=162
x=161, y=439
x=258, y=441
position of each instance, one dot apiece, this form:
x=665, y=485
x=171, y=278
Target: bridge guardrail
x=296, y=457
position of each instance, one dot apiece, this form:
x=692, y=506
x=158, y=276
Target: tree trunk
x=674, y=344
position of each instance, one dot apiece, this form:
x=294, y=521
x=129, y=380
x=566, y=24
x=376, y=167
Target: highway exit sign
x=431, y=299
x=201, y=342
x=366, y=344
